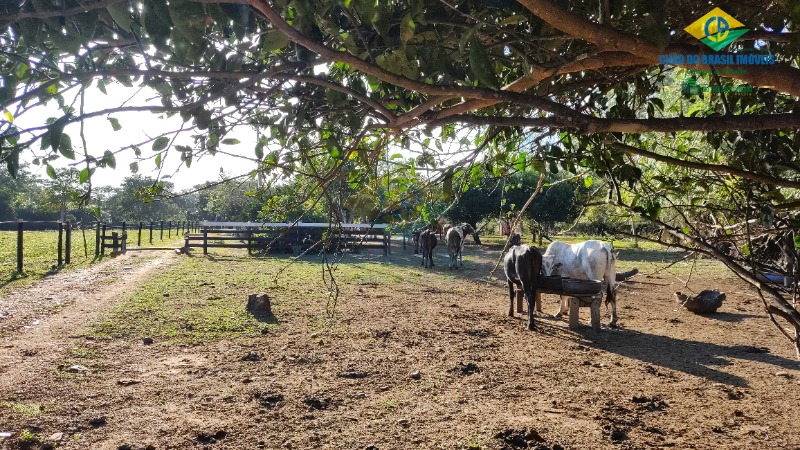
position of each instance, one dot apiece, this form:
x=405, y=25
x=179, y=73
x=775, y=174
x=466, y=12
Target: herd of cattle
x=524, y=264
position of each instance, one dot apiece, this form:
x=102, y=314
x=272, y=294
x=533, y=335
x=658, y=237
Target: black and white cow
x=590, y=260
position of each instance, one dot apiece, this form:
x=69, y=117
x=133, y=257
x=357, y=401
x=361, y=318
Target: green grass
x=203, y=298
x=197, y=300
x=40, y=254
x=25, y=409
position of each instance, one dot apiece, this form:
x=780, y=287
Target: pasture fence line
x=295, y=238
x=107, y=235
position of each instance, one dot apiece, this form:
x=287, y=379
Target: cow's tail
x=610, y=262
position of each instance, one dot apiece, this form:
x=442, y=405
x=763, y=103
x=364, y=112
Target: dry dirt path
x=39, y=321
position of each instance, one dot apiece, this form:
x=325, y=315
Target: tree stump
x=259, y=303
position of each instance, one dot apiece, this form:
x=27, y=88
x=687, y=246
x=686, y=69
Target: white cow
x=455, y=243
x=590, y=260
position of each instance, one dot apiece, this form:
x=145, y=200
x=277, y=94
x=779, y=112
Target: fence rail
x=104, y=236
x=253, y=236
x=288, y=237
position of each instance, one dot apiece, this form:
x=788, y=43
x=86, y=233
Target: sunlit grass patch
x=25, y=409
x=201, y=299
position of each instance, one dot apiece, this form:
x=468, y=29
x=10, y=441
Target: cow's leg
x=511, y=295
x=563, y=306
x=530, y=295
x=612, y=298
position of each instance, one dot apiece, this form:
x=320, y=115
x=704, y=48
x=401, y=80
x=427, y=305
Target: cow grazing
x=427, y=242
x=590, y=260
x=455, y=243
x=522, y=265
x=415, y=241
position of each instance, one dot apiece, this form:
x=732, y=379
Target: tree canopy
x=345, y=93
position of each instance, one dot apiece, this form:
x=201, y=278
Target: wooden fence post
x=205, y=241
x=124, y=242
x=169, y=229
x=97, y=240
x=68, y=253
x=103, y=240
x=115, y=242
x=139, y=240
x=124, y=229
x=151, y=232
x=60, y=243
x=162, y=230
x=19, y=246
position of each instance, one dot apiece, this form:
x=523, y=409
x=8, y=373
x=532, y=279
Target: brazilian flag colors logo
x=717, y=29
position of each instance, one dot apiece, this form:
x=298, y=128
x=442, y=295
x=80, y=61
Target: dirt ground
x=431, y=361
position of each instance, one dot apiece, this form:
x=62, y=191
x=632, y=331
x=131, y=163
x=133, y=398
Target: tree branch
x=781, y=77
x=704, y=166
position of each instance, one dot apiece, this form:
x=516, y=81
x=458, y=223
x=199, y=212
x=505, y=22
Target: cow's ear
x=616, y=255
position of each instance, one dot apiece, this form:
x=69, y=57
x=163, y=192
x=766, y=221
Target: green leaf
x=102, y=86
x=83, y=177
x=115, y=124
x=588, y=181
x=260, y=150
x=119, y=12
x=160, y=144
x=398, y=63
x=274, y=40
x=407, y=28
x=55, y=130
x=465, y=40
x=65, y=147
x=22, y=71
x=51, y=172
x=230, y=141
x=158, y=160
x=110, y=159
x=516, y=19
x=134, y=166
x=52, y=89
x=480, y=64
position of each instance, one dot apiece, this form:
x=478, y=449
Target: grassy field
x=201, y=298
x=40, y=253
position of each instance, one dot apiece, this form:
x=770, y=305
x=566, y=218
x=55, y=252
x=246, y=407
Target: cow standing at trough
x=590, y=260
x=455, y=243
x=427, y=242
x=522, y=265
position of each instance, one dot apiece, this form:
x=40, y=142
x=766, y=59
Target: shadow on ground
x=696, y=358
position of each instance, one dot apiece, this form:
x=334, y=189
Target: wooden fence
x=266, y=237
x=107, y=236
x=282, y=237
